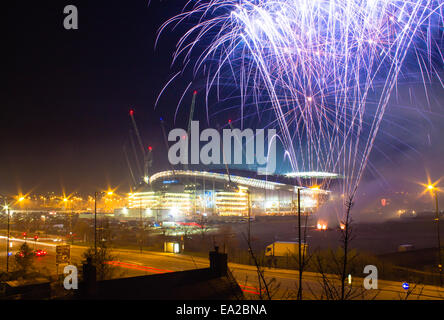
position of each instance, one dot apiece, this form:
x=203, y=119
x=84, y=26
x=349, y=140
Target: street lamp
x=96, y=193
x=245, y=190
x=299, y=294
x=6, y=207
x=300, y=242
x=434, y=189
x=95, y=224
x=142, y=229
x=241, y=191
x=70, y=213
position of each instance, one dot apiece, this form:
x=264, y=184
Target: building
x=174, y=195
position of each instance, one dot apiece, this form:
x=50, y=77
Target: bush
x=100, y=261
x=24, y=260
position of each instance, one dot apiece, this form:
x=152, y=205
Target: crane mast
x=133, y=179
x=193, y=104
x=147, y=155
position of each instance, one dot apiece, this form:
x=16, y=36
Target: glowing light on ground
x=321, y=225
x=325, y=69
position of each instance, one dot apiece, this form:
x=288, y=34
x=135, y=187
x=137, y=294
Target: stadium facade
x=178, y=194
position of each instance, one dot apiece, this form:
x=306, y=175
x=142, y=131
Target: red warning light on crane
x=131, y=112
x=150, y=148
x=195, y=92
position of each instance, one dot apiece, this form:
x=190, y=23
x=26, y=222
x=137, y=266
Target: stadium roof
x=241, y=180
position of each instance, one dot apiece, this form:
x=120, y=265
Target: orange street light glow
x=430, y=186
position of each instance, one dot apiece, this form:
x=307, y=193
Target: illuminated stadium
x=189, y=193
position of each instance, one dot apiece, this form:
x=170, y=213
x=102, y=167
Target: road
x=133, y=263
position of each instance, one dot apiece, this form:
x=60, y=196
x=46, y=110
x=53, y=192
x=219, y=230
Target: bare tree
x=411, y=291
x=346, y=237
x=101, y=260
x=329, y=266
x=260, y=271
x=302, y=258
x=24, y=260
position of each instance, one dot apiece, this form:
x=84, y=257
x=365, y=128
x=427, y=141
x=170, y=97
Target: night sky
x=65, y=115
x=65, y=109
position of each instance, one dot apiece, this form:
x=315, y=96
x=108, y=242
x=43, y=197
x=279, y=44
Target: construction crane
x=133, y=179
x=165, y=139
x=135, y=154
x=230, y=186
x=249, y=166
x=193, y=104
x=146, y=154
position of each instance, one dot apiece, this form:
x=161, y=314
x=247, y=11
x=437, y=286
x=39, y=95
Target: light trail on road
x=137, y=267
x=158, y=263
x=30, y=240
x=132, y=266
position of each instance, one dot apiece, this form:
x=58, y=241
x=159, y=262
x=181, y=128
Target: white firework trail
x=327, y=68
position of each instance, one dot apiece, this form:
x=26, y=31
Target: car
x=37, y=253
x=40, y=253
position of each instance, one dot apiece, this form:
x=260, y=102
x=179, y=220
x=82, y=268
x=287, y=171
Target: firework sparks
x=317, y=64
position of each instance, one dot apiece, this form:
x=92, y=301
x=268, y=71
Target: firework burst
x=326, y=68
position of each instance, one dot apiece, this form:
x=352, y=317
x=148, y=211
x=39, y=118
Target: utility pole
x=439, y=238
x=70, y=223
x=195, y=196
x=249, y=216
x=141, y=223
x=300, y=242
x=7, y=242
x=249, y=224
x=95, y=224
